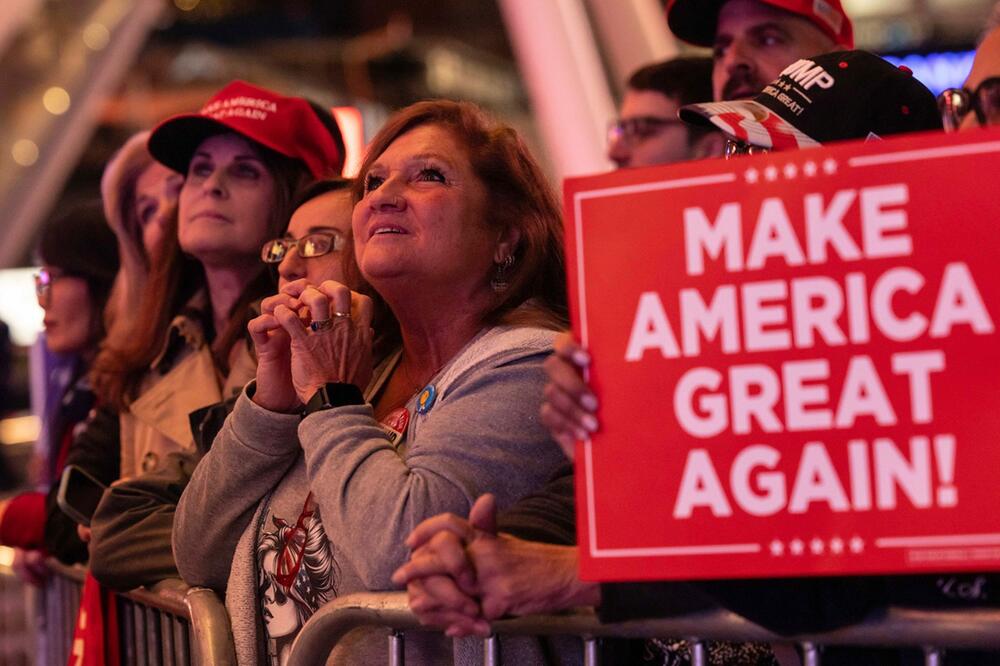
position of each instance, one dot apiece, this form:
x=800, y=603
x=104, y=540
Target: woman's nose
x=387, y=197
x=215, y=183
x=291, y=266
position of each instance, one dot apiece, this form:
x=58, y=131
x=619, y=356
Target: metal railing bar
x=967, y=628
x=397, y=648
x=699, y=655
x=182, y=641
x=127, y=630
x=139, y=635
x=352, y=610
x=167, y=636
x=591, y=651
x=153, y=642
x=491, y=651
x=810, y=654
x=212, y=639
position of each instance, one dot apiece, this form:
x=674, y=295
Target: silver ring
x=338, y=315
x=318, y=325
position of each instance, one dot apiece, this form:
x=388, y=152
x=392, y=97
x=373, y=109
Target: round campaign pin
x=426, y=399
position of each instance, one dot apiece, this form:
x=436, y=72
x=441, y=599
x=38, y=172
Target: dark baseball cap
x=696, y=21
x=830, y=97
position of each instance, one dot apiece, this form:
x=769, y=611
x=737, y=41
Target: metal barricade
x=932, y=631
x=169, y=624
x=60, y=603
x=17, y=616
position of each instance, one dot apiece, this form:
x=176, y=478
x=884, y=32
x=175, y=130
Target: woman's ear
x=506, y=244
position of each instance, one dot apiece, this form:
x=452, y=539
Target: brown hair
x=174, y=279
x=518, y=196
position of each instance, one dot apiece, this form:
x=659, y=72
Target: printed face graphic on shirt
x=297, y=575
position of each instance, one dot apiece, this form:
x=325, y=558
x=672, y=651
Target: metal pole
x=139, y=635
x=699, y=656
x=182, y=640
x=491, y=650
x=167, y=638
x=154, y=652
x=397, y=648
x=563, y=74
x=933, y=656
x=591, y=654
x=810, y=654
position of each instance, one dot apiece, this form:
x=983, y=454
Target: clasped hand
x=462, y=574
x=294, y=359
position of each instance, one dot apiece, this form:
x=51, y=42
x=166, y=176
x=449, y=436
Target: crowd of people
x=297, y=386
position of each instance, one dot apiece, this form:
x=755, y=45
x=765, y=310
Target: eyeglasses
x=313, y=245
x=637, y=128
x=735, y=148
x=44, y=280
x=955, y=103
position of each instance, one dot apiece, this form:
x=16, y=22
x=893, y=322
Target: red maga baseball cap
x=290, y=126
x=695, y=21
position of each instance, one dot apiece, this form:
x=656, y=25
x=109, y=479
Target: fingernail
x=581, y=358
x=589, y=401
x=589, y=422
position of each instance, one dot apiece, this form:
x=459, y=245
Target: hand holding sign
x=568, y=405
x=796, y=363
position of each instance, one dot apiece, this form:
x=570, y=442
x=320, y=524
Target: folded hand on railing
x=463, y=575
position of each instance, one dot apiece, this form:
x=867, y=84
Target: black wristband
x=332, y=395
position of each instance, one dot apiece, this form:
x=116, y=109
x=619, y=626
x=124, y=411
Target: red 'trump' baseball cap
x=695, y=21
x=286, y=125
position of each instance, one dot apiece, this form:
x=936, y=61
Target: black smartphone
x=79, y=494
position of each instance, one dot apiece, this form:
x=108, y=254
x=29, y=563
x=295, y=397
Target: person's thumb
x=483, y=515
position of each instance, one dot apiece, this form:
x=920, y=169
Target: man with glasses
x=647, y=131
x=977, y=102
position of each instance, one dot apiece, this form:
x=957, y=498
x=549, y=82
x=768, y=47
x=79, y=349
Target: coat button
x=149, y=461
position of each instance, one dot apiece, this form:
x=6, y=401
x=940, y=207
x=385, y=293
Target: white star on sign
x=816, y=546
x=809, y=168
x=829, y=166
x=791, y=171
x=752, y=175
x=857, y=544
x=836, y=545
x=777, y=548
x=797, y=547
x=771, y=172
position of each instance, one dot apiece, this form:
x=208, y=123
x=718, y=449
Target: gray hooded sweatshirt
x=481, y=434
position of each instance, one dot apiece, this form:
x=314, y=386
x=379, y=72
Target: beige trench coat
x=183, y=379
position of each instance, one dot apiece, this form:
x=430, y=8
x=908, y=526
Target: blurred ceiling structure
x=79, y=76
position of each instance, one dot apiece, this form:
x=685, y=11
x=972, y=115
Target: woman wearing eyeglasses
x=79, y=257
x=293, y=564
x=977, y=102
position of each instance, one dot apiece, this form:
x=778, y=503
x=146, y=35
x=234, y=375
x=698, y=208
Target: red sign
x=797, y=361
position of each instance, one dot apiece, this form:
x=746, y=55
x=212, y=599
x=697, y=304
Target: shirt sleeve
x=96, y=449
x=249, y=456
x=483, y=434
x=23, y=522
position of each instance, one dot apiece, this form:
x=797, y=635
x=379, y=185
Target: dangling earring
x=499, y=281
